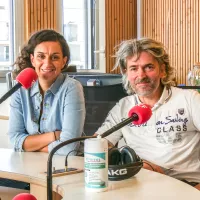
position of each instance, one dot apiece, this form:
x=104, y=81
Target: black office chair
x=99, y=99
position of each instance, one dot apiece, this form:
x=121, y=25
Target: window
x=6, y=34
x=81, y=30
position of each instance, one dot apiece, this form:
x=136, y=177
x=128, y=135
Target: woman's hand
x=57, y=135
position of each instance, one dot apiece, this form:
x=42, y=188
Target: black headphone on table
x=123, y=163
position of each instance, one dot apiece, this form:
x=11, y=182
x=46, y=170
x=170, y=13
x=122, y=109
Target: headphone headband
x=123, y=163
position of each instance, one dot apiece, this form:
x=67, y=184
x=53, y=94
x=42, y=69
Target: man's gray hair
x=135, y=47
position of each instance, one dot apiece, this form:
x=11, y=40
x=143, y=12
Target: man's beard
x=144, y=90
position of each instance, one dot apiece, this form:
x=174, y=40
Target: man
x=170, y=140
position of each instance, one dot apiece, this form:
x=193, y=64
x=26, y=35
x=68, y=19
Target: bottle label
x=95, y=170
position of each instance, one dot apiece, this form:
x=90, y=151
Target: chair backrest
x=197, y=88
x=99, y=101
x=9, y=80
x=189, y=87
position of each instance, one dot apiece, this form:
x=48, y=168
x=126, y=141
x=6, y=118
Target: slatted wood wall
x=120, y=25
x=173, y=22
x=39, y=14
x=176, y=23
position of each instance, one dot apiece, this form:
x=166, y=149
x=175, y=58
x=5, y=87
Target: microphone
x=25, y=79
x=24, y=196
x=143, y=112
x=138, y=114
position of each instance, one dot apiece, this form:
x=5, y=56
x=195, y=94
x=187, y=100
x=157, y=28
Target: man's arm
x=152, y=167
x=110, y=145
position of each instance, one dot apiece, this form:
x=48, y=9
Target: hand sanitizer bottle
x=96, y=164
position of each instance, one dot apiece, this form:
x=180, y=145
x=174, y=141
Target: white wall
x=4, y=142
x=4, y=110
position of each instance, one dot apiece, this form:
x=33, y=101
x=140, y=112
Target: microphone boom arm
x=49, y=162
x=11, y=91
x=134, y=117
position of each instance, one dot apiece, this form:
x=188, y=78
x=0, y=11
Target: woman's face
x=48, y=61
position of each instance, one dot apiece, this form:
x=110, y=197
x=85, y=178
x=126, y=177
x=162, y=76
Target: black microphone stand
x=49, y=162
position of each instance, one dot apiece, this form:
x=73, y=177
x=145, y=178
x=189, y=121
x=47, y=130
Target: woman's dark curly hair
x=23, y=61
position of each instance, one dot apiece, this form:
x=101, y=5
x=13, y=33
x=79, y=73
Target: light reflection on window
x=5, y=34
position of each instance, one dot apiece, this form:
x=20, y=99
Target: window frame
x=16, y=34
x=6, y=65
x=97, y=47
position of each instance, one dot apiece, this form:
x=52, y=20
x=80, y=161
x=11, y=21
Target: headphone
x=123, y=163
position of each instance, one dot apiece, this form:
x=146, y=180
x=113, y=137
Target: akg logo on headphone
x=118, y=172
x=123, y=163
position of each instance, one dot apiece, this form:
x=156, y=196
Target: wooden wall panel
x=39, y=14
x=176, y=24
x=121, y=24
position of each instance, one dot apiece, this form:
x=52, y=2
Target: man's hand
x=152, y=167
x=197, y=187
x=110, y=145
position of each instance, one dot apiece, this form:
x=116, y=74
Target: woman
x=53, y=109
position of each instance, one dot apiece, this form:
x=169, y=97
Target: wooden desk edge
x=38, y=187
x=3, y=117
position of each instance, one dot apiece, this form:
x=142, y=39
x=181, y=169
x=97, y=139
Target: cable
x=77, y=151
x=49, y=162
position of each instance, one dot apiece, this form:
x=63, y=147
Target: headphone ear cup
x=114, y=156
x=123, y=163
x=128, y=155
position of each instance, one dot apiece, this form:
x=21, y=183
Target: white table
x=29, y=167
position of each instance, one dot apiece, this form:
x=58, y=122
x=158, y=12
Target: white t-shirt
x=170, y=139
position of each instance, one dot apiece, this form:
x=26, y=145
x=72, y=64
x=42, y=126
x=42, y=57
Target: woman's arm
x=19, y=137
x=37, y=142
x=73, y=119
x=16, y=130
x=56, y=137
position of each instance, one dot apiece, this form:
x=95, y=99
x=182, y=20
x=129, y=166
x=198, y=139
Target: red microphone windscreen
x=143, y=111
x=27, y=77
x=24, y=196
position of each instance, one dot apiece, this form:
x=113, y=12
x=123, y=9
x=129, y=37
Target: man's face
x=144, y=74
